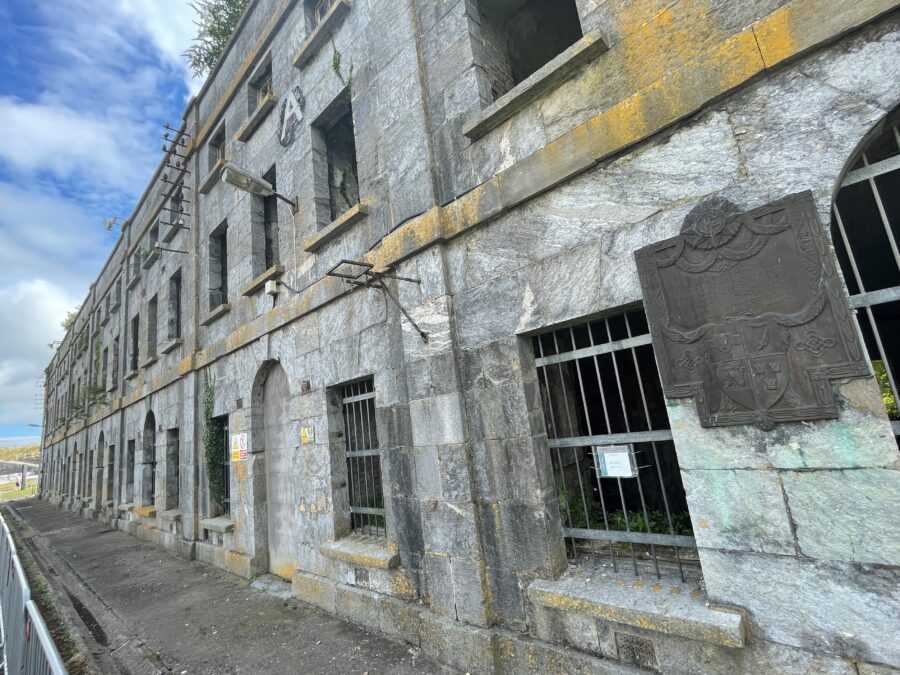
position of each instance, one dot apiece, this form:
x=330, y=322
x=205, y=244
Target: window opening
x=128, y=471
x=363, y=459
x=135, y=341
x=152, y=316
x=173, y=443
x=222, y=423
x=260, y=87
x=334, y=157
x=518, y=38
x=601, y=393
x=865, y=229
x=217, y=148
x=316, y=11
x=174, y=321
x=105, y=371
x=218, y=266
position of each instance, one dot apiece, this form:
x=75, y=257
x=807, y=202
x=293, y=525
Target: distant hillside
x=25, y=453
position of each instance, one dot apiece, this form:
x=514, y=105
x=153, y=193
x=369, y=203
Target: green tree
x=215, y=24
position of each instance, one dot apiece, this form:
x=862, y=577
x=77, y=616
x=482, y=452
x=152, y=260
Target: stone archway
x=273, y=397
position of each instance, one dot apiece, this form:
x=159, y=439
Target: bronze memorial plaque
x=748, y=314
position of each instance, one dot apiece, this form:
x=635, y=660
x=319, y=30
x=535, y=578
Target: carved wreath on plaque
x=748, y=315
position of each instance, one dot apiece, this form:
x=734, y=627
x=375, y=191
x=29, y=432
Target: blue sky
x=85, y=87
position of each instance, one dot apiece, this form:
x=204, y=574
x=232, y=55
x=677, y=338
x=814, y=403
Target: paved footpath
x=140, y=609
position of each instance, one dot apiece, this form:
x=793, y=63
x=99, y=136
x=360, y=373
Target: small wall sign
x=307, y=434
x=239, y=447
x=615, y=461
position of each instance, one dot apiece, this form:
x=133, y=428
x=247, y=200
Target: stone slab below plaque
x=748, y=314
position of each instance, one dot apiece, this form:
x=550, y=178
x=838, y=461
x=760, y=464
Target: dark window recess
x=515, y=38
x=218, y=266
x=173, y=443
x=260, y=87
x=154, y=236
x=601, y=394
x=264, y=228
x=128, y=471
x=334, y=157
x=115, y=362
x=105, y=371
x=363, y=459
x=865, y=230
x=174, y=314
x=135, y=341
x=316, y=10
x=152, y=316
x=217, y=148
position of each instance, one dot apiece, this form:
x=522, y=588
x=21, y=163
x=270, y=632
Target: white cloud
x=30, y=312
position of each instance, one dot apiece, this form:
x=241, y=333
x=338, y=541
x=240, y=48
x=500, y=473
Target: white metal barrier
x=28, y=648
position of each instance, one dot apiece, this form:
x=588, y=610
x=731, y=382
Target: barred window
x=617, y=478
x=363, y=459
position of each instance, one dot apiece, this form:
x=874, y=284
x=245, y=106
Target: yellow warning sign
x=239, y=447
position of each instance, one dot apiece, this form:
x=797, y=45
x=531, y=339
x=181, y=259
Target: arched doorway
x=148, y=472
x=865, y=230
x=280, y=502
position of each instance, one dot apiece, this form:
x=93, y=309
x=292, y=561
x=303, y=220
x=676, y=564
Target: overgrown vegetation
x=575, y=515
x=216, y=21
x=24, y=453
x=886, y=394
x=67, y=322
x=212, y=443
x=74, y=660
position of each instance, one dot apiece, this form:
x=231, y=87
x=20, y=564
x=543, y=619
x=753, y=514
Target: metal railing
x=363, y=459
x=617, y=478
x=28, y=647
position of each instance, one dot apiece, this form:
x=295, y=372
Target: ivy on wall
x=212, y=443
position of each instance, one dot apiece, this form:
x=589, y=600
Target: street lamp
x=246, y=181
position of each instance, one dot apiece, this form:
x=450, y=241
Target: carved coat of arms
x=748, y=315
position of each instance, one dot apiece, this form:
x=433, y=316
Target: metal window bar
x=226, y=470
x=865, y=229
x=600, y=388
x=363, y=459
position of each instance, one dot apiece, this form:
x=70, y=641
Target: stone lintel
x=220, y=524
x=670, y=610
x=219, y=311
x=262, y=111
x=273, y=272
x=337, y=227
x=533, y=87
x=320, y=34
x=367, y=553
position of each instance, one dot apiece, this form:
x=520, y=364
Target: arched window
x=866, y=230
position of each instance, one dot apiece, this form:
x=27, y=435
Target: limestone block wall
x=528, y=225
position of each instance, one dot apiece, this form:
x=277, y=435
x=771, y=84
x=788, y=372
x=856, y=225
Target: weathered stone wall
x=473, y=566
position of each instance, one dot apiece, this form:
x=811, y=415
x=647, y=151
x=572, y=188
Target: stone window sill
x=134, y=280
x=154, y=254
x=115, y=308
x=221, y=524
x=145, y=511
x=320, y=33
x=337, y=227
x=125, y=508
x=272, y=273
x=132, y=374
x=215, y=314
x=169, y=346
x=104, y=320
x=149, y=361
x=643, y=605
x=213, y=177
x=363, y=552
x=171, y=515
x=543, y=80
x=111, y=388
x=170, y=232
x=259, y=115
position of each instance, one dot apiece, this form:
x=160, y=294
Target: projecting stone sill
x=145, y=511
x=320, y=34
x=262, y=111
x=273, y=272
x=364, y=552
x=219, y=311
x=170, y=346
x=337, y=227
x=171, y=515
x=221, y=524
x=652, y=606
x=212, y=177
x=541, y=81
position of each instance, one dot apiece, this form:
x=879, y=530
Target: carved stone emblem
x=748, y=315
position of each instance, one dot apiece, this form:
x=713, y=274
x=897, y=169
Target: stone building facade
x=414, y=439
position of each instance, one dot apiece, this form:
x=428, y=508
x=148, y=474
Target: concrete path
x=141, y=609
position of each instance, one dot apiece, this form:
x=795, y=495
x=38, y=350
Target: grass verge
x=73, y=659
